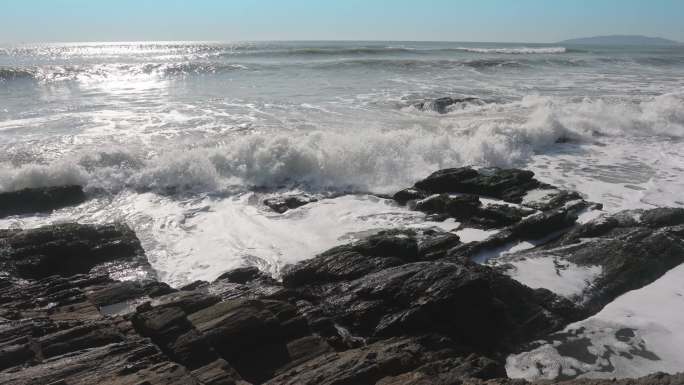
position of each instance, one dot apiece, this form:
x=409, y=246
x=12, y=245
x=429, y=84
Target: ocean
x=184, y=140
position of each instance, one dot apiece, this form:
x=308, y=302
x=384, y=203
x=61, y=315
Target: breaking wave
x=358, y=159
x=384, y=50
x=515, y=50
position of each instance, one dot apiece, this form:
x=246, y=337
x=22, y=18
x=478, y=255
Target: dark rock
x=263, y=287
x=468, y=210
x=441, y=105
x=242, y=275
x=383, y=250
x=54, y=297
x=410, y=194
x=382, y=360
x=434, y=245
x=38, y=200
x=155, y=288
x=169, y=328
x=188, y=301
x=422, y=297
x=449, y=180
x=129, y=362
x=497, y=215
x=507, y=184
x=304, y=349
x=218, y=372
x=69, y=249
x=449, y=371
x=194, y=285
x=251, y=335
x=115, y=292
x=245, y=283
x=281, y=204
x=554, y=199
x=85, y=336
x=543, y=224
x=661, y=217
x=435, y=204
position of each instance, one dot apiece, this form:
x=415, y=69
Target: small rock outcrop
x=442, y=105
x=71, y=248
x=283, y=203
x=38, y=200
x=509, y=185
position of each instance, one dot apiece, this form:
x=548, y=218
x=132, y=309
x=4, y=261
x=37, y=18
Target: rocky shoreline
x=80, y=303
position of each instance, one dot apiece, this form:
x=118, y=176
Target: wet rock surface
x=633, y=248
x=422, y=297
x=70, y=248
x=397, y=307
x=283, y=203
x=509, y=185
x=443, y=105
x=38, y=200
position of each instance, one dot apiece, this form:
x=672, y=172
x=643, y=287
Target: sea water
x=183, y=140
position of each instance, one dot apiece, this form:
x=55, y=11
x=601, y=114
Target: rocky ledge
x=79, y=303
x=44, y=199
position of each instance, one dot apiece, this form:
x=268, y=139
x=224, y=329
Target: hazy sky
x=456, y=20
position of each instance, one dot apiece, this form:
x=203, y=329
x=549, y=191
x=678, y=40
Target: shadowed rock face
x=376, y=362
x=401, y=307
x=70, y=248
x=471, y=304
x=386, y=249
x=36, y=200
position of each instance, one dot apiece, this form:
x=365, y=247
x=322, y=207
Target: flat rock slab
x=71, y=248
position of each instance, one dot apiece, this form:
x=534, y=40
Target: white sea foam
x=58, y=174
x=357, y=159
x=515, y=50
x=639, y=333
x=199, y=238
x=561, y=277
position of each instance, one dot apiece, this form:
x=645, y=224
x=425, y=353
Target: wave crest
x=516, y=50
x=356, y=159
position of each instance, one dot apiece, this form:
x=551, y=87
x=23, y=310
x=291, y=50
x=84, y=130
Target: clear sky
x=229, y=20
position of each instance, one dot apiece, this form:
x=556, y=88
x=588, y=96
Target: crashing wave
x=356, y=158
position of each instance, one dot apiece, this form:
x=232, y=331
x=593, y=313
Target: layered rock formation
x=79, y=303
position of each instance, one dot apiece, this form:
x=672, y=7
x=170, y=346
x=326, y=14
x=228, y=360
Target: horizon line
x=266, y=41
x=144, y=41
